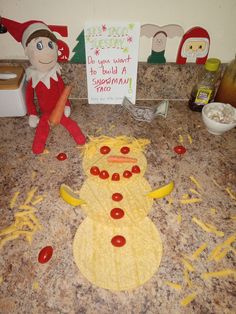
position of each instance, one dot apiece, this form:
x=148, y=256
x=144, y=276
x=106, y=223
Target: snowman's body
x=117, y=246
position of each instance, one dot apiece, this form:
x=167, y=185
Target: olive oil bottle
x=204, y=90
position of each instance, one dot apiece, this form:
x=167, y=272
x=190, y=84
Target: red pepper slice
x=45, y=254
x=61, y=156
x=180, y=149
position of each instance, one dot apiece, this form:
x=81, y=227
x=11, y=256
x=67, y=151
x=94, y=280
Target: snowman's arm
x=69, y=196
x=162, y=191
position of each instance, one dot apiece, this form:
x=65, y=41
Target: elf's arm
x=31, y=108
x=67, y=110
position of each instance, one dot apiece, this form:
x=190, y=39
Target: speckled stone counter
x=27, y=286
x=154, y=81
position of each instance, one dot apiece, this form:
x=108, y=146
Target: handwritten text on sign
x=111, y=61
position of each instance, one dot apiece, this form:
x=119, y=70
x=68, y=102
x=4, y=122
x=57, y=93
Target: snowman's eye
x=125, y=150
x=105, y=150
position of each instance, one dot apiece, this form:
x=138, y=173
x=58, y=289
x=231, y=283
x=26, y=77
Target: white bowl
x=219, y=117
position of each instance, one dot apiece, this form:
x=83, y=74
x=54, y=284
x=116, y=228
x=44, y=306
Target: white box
x=12, y=91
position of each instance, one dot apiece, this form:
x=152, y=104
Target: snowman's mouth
x=121, y=159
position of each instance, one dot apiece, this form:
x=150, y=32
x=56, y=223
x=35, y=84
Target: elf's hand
x=33, y=121
x=67, y=111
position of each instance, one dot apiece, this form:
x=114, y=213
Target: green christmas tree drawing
x=79, y=50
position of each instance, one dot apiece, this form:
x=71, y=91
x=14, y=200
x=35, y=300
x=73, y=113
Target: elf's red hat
x=22, y=31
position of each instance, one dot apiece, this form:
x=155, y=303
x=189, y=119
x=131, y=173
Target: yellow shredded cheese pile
x=25, y=223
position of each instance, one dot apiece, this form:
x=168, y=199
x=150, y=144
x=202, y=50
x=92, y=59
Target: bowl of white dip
x=219, y=117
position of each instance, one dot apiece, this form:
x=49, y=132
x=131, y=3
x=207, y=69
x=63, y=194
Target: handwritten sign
x=111, y=61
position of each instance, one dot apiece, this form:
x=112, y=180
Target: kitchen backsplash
x=155, y=81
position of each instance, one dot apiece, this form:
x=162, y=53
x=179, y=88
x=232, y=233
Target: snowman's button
x=117, y=197
x=118, y=241
x=117, y=213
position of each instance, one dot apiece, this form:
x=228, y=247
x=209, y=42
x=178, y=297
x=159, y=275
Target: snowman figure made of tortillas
x=117, y=246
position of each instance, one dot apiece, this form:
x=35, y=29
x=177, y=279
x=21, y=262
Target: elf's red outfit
x=47, y=98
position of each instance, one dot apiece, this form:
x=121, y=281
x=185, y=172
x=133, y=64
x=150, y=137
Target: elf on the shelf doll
x=44, y=79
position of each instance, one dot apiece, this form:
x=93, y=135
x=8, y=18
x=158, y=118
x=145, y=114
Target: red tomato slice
x=127, y=174
x=125, y=150
x=117, y=213
x=115, y=177
x=118, y=241
x=95, y=171
x=117, y=197
x=105, y=150
x=136, y=169
x=45, y=254
x=104, y=174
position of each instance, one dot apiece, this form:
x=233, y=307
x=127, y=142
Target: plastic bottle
x=226, y=92
x=204, y=91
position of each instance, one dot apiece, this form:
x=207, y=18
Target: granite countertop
x=57, y=286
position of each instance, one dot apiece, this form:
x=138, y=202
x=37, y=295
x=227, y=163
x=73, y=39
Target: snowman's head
x=115, y=159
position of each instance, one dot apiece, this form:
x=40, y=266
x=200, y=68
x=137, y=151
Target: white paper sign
x=111, y=61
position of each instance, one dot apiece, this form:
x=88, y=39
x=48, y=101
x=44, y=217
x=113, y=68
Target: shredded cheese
x=231, y=193
x=35, y=285
x=190, y=200
x=195, y=192
x=187, y=265
x=207, y=227
x=25, y=223
x=30, y=195
x=37, y=200
x=218, y=249
x=13, y=200
x=188, y=299
x=190, y=139
x=214, y=181
x=213, y=211
x=187, y=278
x=220, y=273
x=195, y=182
x=174, y=285
x=33, y=175
x=181, y=140
x=197, y=253
x=179, y=218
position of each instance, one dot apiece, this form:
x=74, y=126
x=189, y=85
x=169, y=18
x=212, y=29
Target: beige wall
x=216, y=16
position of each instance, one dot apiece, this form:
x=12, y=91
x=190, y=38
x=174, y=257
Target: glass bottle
x=226, y=92
x=204, y=91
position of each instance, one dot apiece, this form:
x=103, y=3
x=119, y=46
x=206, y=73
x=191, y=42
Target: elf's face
x=42, y=53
